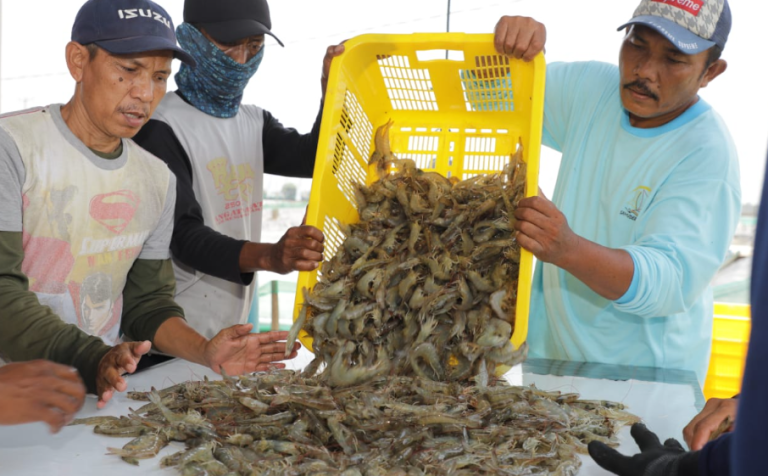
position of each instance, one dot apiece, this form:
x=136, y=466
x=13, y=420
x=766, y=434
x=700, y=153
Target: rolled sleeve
x=686, y=234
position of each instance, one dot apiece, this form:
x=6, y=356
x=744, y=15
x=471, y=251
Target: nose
x=143, y=89
x=238, y=53
x=646, y=69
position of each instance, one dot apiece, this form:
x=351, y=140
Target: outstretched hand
x=40, y=391
x=300, y=249
x=519, y=37
x=121, y=359
x=239, y=352
x=654, y=459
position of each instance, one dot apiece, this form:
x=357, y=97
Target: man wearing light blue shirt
x=647, y=197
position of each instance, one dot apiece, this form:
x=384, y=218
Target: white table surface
x=30, y=450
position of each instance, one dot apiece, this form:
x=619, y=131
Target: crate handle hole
x=433, y=55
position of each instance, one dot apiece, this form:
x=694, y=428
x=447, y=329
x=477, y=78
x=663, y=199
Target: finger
x=304, y=265
x=276, y=357
x=511, y=40
x=536, y=45
x=61, y=371
x=75, y=390
x=539, y=203
x=674, y=444
x=532, y=216
x=113, y=377
x=244, y=329
x=609, y=459
x=64, y=405
x=272, y=348
x=54, y=418
x=645, y=438
x=500, y=35
x=55, y=395
x=690, y=429
x=702, y=430
x=529, y=244
x=268, y=367
x=523, y=42
x=104, y=398
x=338, y=50
x=128, y=358
x=273, y=336
x=306, y=248
x=141, y=348
x=311, y=232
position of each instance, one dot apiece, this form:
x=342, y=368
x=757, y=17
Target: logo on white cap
x=691, y=6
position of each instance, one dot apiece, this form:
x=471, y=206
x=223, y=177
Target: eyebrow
x=139, y=64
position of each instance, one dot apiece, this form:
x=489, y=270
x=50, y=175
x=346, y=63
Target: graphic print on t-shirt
x=84, y=220
x=636, y=203
x=235, y=185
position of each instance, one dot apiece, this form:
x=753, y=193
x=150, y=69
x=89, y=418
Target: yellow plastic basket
x=460, y=116
x=730, y=339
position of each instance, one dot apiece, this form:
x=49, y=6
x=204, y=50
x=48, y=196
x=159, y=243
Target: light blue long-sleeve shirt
x=669, y=196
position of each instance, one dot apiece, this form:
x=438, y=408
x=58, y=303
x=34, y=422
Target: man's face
x=120, y=92
x=96, y=314
x=658, y=81
x=241, y=51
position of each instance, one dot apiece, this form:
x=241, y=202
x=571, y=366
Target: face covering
x=216, y=86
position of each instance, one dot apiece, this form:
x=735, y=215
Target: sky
x=34, y=33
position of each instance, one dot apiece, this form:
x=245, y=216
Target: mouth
x=640, y=93
x=135, y=119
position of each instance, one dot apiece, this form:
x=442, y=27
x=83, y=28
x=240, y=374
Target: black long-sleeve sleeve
x=286, y=151
x=193, y=243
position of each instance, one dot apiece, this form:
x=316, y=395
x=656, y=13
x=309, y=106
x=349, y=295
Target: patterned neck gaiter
x=216, y=86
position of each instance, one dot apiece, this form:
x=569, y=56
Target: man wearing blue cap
x=219, y=149
x=81, y=203
x=647, y=198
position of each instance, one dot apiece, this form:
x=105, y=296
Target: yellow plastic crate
x=730, y=339
x=460, y=116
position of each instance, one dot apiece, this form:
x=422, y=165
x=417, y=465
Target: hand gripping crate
x=460, y=116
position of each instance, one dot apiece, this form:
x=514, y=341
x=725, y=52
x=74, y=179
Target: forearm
x=175, y=337
x=148, y=299
x=606, y=271
x=192, y=245
x=256, y=257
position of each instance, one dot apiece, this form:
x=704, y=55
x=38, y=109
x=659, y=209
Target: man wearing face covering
x=219, y=150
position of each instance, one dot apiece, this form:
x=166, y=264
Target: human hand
x=519, y=37
x=40, y=390
x=697, y=433
x=330, y=53
x=543, y=230
x=240, y=352
x=654, y=459
x=121, y=359
x=300, y=249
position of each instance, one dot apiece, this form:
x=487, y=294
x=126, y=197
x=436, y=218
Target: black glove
x=654, y=459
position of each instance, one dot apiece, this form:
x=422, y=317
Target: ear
x=715, y=69
x=78, y=58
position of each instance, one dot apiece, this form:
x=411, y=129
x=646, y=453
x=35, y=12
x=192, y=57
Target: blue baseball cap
x=692, y=26
x=124, y=27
